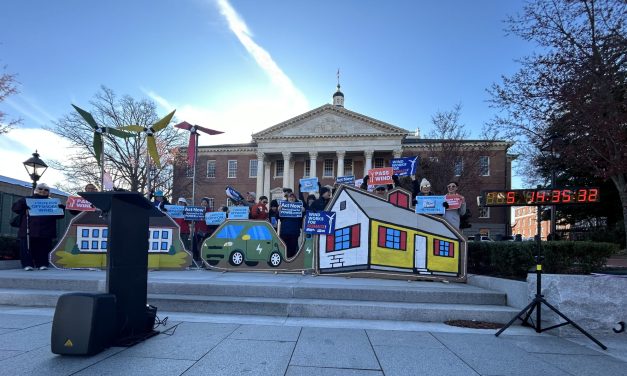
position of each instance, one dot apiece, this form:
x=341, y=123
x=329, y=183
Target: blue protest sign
x=290, y=209
x=430, y=204
x=43, y=206
x=320, y=223
x=215, y=218
x=238, y=212
x=174, y=211
x=404, y=166
x=194, y=213
x=309, y=185
x=348, y=180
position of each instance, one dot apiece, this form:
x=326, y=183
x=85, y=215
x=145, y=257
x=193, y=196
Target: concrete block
x=26, y=339
x=396, y=338
x=318, y=371
x=584, y=365
x=516, y=291
x=403, y=360
x=16, y=321
x=121, y=365
x=267, y=333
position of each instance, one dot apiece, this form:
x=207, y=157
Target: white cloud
x=30, y=109
x=18, y=145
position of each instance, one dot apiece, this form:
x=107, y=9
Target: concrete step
x=291, y=307
x=415, y=292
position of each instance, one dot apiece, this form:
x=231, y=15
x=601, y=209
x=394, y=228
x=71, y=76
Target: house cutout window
x=92, y=239
x=392, y=238
x=443, y=248
x=344, y=238
x=160, y=240
x=399, y=199
x=343, y=205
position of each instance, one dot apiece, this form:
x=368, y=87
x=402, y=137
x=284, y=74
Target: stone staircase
x=260, y=294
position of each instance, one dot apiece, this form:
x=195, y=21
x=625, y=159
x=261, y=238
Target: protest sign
x=174, y=211
x=79, y=204
x=194, y=213
x=238, y=212
x=43, y=206
x=215, y=218
x=404, y=166
x=382, y=176
x=309, y=185
x=320, y=223
x=454, y=201
x=290, y=209
x=348, y=180
x=430, y=204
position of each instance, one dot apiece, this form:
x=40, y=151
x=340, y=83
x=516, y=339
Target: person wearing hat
x=159, y=200
x=322, y=201
x=380, y=190
x=183, y=224
x=36, y=232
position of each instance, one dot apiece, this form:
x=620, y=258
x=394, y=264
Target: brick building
x=331, y=141
x=525, y=222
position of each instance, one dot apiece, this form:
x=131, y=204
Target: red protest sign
x=454, y=201
x=79, y=204
x=382, y=176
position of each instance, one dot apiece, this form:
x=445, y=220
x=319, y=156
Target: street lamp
x=35, y=168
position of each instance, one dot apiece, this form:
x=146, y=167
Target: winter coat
x=259, y=211
x=44, y=226
x=319, y=204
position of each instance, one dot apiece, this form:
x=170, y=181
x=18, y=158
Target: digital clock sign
x=533, y=197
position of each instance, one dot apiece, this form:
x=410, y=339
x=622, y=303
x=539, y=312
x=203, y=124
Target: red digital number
x=582, y=195
x=530, y=196
x=511, y=197
x=555, y=196
x=540, y=196
x=593, y=195
x=567, y=195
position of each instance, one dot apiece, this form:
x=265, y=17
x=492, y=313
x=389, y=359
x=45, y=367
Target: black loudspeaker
x=84, y=323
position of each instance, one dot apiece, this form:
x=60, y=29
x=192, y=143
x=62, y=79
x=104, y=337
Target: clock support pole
x=538, y=300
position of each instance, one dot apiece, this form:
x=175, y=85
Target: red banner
x=79, y=204
x=380, y=176
x=454, y=201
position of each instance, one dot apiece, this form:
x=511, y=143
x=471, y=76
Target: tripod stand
x=538, y=301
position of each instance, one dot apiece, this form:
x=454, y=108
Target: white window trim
x=276, y=168
x=251, y=170
x=461, y=160
x=80, y=238
x=214, y=169
x=485, y=211
x=374, y=162
x=324, y=169
x=228, y=169
x=488, y=157
x=159, y=240
x=306, y=164
x=352, y=171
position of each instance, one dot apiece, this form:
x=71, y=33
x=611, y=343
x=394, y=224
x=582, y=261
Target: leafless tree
x=7, y=87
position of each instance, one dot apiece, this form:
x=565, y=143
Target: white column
x=340, y=162
x=291, y=180
x=266, y=180
x=398, y=153
x=368, y=165
x=313, y=159
x=287, y=156
x=260, y=178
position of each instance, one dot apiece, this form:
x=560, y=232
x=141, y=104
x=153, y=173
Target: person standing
x=260, y=210
x=183, y=224
x=36, y=233
x=201, y=230
x=456, y=205
x=290, y=229
x=322, y=201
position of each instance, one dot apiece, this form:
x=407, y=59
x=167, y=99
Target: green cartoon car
x=244, y=242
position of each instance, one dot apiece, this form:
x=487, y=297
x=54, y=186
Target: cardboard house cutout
x=84, y=244
x=374, y=237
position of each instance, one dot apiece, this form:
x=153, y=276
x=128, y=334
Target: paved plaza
x=204, y=344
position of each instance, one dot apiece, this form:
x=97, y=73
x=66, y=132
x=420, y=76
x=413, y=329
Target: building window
x=443, y=248
x=344, y=238
x=484, y=165
x=189, y=171
x=211, y=169
x=252, y=168
x=307, y=172
x=392, y=238
x=92, y=239
x=379, y=163
x=232, y=172
x=459, y=166
x=434, y=159
x=278, y=168
x=484, y=212
x=328, y=168
x=211, y=203
x=160, y=240
x=348, y=167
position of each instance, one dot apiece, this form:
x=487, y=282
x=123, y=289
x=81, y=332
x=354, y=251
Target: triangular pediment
x=330, y=121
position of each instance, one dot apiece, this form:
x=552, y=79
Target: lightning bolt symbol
x=308, y=250
x=259, y=248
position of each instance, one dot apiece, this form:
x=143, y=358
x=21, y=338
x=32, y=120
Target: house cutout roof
x=330, y=121
x=381, y=210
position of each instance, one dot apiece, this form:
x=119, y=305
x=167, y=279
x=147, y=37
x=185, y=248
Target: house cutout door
x=420, y=245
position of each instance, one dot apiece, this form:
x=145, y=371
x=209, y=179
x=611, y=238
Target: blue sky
x=244, y=65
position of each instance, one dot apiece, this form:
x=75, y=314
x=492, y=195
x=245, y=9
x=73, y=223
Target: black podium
x=127, y=215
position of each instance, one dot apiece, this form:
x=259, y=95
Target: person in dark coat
x=36, y=232
x=322, y=201
x=290, y=229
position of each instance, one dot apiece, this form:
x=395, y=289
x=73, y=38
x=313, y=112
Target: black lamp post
x=35, y=168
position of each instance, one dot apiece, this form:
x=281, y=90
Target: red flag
x=191, y=149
